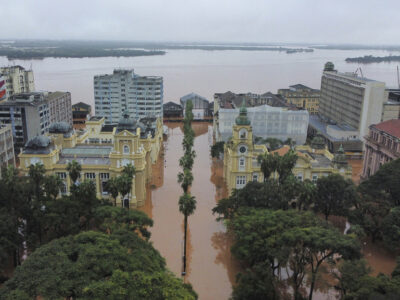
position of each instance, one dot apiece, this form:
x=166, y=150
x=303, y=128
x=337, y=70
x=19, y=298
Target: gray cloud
x=314, y=21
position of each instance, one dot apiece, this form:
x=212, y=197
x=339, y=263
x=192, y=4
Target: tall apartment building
x=124, y=90
x=3, y=90
x=30, y=114
x=348, y=105
x=7, y=157
x=302, y=96
x=17, y=80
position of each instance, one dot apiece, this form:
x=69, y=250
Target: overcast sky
x=313, y=21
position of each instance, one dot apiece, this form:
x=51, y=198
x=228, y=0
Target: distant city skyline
x=257, y=21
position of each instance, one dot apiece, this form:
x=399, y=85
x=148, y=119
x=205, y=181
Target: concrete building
x=30, y=114
x=349, y=104
x=18, y=80
x=102, y=151
x=81, y=112
x=241, y=165
x=172, y=110
x=124, y=90
x=7, y=157
x=382, y=145
x=302, y=97
x=200, y=105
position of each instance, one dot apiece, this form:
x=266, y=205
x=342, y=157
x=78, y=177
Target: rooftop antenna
x=398, y=78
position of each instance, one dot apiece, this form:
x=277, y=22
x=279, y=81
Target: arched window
x=243, y=133
x=126, y=149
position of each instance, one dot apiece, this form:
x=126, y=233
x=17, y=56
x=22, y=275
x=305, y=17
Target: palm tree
x=187, y=206
x=36, y=173
x=129, y=170
x=269, y=164
x=124, y=184
x=53, y=185
x=74, y=169
x=113, y=188
x=185, y=178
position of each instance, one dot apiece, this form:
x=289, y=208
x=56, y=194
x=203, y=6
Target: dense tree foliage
x=277, y=165
x=95, y=265
x=377, y=207
x=355, y=283
x=81, y=247
x=217, y=149
x=334, y=195
x=279, y=239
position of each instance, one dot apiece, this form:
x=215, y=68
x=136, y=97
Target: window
x=90, y=175
x=242, y=164
x=104, y=176
x=240, y=181
x=61, y=175
x=300, y=176
x=63, y=189
x=314, y=178
x=126, y=149
x=243, y=133
x=255, y=177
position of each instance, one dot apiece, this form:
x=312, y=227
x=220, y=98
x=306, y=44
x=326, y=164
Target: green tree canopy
x=90, y=264
x=334, y=195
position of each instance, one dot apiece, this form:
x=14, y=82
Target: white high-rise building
x=124, y=90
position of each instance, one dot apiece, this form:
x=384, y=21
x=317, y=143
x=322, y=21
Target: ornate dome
x=60, y=127
x=242, y=118
x=38, y=142
x=318, y=142
x=127, y=123
x=329, y=66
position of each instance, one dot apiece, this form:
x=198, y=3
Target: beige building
x=241, y=165
x=18, y=80
x=102, y=150
x=60, y=107
x=302, y=97
x=7, y=157
x=382, y=145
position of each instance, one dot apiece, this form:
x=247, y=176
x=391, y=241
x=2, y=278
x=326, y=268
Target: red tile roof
x=391, y=127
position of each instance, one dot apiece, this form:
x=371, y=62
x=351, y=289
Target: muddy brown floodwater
x=210, y=268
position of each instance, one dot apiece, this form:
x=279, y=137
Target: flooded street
x=210, y=268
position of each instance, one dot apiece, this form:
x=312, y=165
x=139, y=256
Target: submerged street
x=210, y=268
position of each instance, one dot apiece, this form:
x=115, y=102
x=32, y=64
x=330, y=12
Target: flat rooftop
x=87, y=151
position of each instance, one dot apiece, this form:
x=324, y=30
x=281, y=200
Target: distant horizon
x=199, y=42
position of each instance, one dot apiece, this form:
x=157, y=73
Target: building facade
x=241, y=165
x=81, y=112
x=391, y=107
x=348, y=105
x=302, y=97
x=124, y=90
x=102, y=151
x=382, y=145
x=7, y=157
x=3, y=90
x=30, y=114
x=17, y=80
x=267, y=122
x=172, y=110
x=200, y=106
x=60, y=106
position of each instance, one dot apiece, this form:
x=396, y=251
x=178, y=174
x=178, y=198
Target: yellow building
x=302, y=96
x=102, y=150
x=241, y=165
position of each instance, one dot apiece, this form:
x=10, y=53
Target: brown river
x=211, y=269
